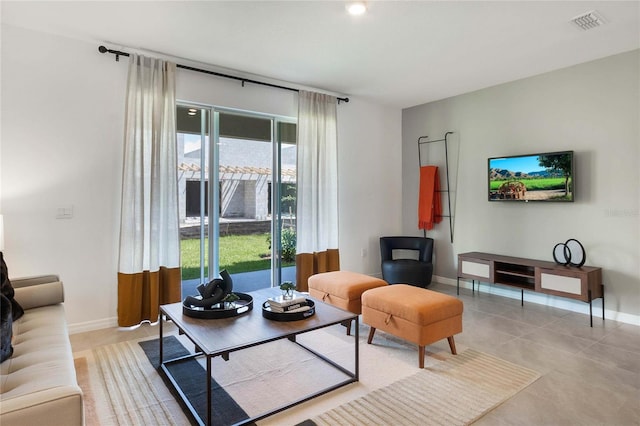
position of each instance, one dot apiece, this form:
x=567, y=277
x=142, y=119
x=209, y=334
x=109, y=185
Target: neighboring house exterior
x=244, y=173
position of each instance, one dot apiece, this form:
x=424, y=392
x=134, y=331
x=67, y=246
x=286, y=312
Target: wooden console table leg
x=591, y=304
x=602, y=290
x=458, y=286
x=590, y=308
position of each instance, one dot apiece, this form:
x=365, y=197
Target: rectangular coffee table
x=220, y=337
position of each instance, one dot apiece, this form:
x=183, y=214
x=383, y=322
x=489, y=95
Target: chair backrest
x=423, y=245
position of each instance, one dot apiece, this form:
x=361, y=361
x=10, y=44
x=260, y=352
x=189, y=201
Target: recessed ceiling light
x=356, y=7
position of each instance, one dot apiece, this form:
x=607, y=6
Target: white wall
x=592, y=109
x=62, y=127
x=61, y=144
x=369, y=156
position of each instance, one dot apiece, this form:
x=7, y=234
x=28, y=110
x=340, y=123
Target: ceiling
x=400, y=53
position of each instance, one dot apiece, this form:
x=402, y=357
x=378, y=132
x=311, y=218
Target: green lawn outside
x=238, y=253
x=534, y=184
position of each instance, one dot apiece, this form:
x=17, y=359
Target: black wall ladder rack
x=446, y=168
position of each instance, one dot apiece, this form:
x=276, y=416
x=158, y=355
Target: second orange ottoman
x=412, y=313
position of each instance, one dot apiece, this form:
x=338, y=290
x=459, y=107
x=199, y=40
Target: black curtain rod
x=118, y=53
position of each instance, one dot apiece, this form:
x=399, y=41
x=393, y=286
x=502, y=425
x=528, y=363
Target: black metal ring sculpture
x=561, y=254
x=570, y=252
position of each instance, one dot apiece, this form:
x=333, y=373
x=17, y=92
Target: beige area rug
x=122, y=388
x=457, y=391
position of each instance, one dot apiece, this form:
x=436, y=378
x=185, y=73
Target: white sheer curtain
x=317, y=188
x=149, y=263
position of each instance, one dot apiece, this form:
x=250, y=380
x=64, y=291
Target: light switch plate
x=65, y=212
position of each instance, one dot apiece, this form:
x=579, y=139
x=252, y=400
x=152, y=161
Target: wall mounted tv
x=534, y=177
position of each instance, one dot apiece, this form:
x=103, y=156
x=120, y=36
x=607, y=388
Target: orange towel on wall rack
x=429, y=203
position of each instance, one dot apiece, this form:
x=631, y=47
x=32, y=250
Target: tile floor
x=590, y=376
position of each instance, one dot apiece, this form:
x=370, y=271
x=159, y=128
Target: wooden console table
x=583, y=283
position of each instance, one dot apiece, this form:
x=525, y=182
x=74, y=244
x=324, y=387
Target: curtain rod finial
x=102, y=49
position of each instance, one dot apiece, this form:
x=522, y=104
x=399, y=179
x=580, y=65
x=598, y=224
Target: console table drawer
x=476, y=269
x=563, y=284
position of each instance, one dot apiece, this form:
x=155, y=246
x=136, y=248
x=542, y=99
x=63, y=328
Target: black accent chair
x=415, y=271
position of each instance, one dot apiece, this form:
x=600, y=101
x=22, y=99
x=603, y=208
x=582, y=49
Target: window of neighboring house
x=192, y=198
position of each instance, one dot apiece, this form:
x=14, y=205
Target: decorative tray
x=221, y=310
x=288, y=316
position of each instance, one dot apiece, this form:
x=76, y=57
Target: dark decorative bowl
x=288, y=316
x=221, y=310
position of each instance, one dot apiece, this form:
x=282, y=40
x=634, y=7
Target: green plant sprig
x=287, y=285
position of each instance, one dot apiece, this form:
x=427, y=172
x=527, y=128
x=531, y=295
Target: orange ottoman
x=343, y=289
x=412, y=313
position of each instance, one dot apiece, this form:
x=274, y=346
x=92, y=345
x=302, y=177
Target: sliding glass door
x=284, y=216
x=237, y=197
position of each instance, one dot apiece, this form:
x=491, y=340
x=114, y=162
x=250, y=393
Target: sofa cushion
x=39, y=379
x=7, y=289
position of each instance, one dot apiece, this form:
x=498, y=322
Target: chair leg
x=452, y=345
x=421, y=356
x=371, y=332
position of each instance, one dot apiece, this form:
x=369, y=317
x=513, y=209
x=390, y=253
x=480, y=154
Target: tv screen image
x=534, y=177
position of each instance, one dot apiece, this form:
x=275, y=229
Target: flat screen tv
x=533, y=177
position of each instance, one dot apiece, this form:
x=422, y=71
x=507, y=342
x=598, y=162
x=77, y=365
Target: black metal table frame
x=353, y=376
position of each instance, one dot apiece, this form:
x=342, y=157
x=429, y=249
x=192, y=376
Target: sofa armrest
x=34, y=280
x=33, y=292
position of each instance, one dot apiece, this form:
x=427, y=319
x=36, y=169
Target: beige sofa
x=38, y=383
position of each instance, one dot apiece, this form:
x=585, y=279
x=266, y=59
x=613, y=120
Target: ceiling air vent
x=588, y=20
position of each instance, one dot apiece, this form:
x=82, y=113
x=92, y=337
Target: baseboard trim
x=530, y=297
x=93, y=325
x=544, y=299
